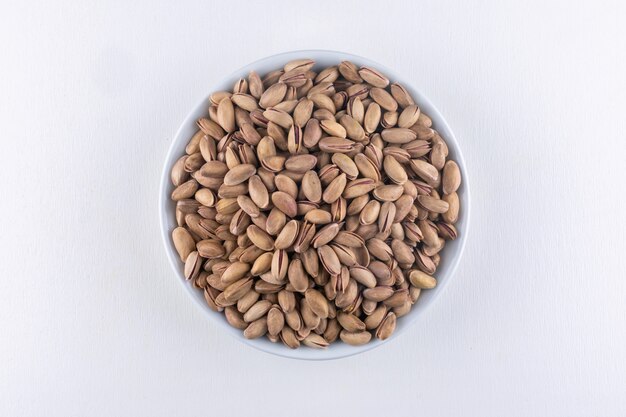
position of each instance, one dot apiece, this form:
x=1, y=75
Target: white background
x=93, y=322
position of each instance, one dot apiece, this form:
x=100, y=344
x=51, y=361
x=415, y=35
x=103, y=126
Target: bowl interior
x=450, y=255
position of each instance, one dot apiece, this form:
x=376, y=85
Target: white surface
x=92, y=320
x=450, y=255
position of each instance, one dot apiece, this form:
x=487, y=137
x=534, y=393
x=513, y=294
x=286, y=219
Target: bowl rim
x=410, y=319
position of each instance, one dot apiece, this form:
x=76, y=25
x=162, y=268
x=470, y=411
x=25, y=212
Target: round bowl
x=450, y=255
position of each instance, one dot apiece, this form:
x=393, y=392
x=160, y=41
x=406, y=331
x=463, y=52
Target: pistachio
x=417, y=148
x=311, y=186
x=244, y=101
x=326, y=88
x=296, y=77
x=332, y=144
x=334, y=190
x=294, y=139
x=425, y=171
x=192, y=266
x=297, y=276
x=423, y=132
x=409, y=116
x=315, y=341
x=287, y=235
x=368, y=169
x=370, y=212
x=237, y=289
x=324, y=102
x=350, y=322
x=307, y=231
x=352, y=128
x=179, y=174
x=356, y=110
x=300, y=163
x=317, y=216
x=356, y=338
x=258, y=310
x=193, y=162
x=424, y=262
x=288, y=337
x=333, y=128
x=447, y=230
x=451, y=177
x=386, y=327
x=384, y=99
x=373, y=77
x=234, y=318
x=338, y=209
x=329, y=74
x=401, y=95
x=438, y=155
x=433, y=204
x=329, y=259
x=452, y=214
x=394, y=170
x=378, y=293
x=363, y=276
x=388, y=192
x=210, y=128
x=358, y=91
x=287, y=300
x=349, y=72
x=280, y=264
x=255, y=85
x=285, y=203
x=185, y=190
x=262, y=264
x=325, y=235
x=390, y=119
x=372, y=118
x=357, y=204
x=380, y=249
x=216, y=97
x=309, y=318
x=235, y=272
x=275, y=222
x=344, y=253
x=312, y=133
x=275, y=320
x=226, y=115
x=256, y=329
x=376, y=317
x=317, y=302
x=280, y=117
x=302, y=112
x=183, y=242
x=349, y=239
x=398, y=135
x=260, y=238
x=210, y=249
x=258, y=192
x=239, y=174
x=422, y=280
x=402, y=252
x=273, y=95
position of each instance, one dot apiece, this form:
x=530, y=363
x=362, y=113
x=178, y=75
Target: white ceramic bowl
x=450, y=256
